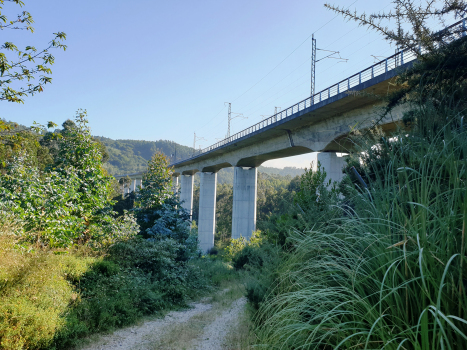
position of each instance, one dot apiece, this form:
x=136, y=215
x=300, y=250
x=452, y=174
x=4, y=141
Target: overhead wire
x=277, y=83
x=274, y=98
x=358, y=39
x=303, y=42
x=297, y=86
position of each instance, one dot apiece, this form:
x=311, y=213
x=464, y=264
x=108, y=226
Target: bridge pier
x=186, y=193
x=175, y=184
x=207, y=210
x=332, y=164
x=244, y=202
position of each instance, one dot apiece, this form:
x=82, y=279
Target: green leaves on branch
x=68, y=203
x=21, y=65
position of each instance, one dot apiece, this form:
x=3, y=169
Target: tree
x=67, y=203
x=419, y=37
x=157, y=182
x=18, y=70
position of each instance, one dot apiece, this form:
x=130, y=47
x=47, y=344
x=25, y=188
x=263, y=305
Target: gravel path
x=150, y=334
x=144, y=336
x=214, y=334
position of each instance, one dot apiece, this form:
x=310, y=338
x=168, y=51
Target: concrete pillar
x=175, y=184
x=244, y=202
x=332, y=164
x=207, y=211
x=133, y=184
x=186, y=192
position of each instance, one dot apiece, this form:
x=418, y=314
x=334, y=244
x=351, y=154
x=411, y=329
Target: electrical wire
x=303, y=42
x=297, y=86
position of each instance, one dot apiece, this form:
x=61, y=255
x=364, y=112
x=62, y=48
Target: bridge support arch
x=244, y=202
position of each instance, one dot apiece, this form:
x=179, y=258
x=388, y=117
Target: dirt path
x=206, y=325
x=214, y=336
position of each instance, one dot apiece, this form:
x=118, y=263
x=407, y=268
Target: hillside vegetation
x=70, y=265
x=379, y=260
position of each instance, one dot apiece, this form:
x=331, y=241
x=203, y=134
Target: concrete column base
x=244, y=202
x=186, y=193
x=207, y=211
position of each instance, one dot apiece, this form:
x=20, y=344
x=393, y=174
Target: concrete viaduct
x=320, y=123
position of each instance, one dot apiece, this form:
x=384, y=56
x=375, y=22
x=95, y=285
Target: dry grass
x=34, y=292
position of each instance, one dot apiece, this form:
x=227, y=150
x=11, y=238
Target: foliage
x=53, y=298
x=15, y=140
x=224, y=202
x=35, y=292
x=390, y=272
x=439, y=80
x=242, y=251
x=157, y=183
x=418, y=37
x=79, y=151
x=21, y=67
x=260, y=258
x=68, y=202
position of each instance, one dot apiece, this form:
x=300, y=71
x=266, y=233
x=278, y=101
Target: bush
x=35, y=293
x=67, y=203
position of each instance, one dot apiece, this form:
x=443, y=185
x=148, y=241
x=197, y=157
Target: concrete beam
x=244, y=202
x=186, y=193
x=207, y=211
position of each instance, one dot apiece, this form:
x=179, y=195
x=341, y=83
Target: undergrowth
x=54, y=298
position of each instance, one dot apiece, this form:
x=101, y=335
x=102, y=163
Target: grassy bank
x=54, y=298
x=384, y=264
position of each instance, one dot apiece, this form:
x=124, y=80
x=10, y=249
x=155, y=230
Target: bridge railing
x=377, y=69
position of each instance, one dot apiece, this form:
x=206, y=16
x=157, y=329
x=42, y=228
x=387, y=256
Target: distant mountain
x=131, y=156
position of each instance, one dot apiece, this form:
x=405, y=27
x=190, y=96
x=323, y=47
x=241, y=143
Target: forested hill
x=131, y=156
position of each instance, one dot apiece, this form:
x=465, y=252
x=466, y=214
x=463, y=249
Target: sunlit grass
x=391, y=274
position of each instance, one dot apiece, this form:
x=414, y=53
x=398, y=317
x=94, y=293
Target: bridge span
x=320, y=123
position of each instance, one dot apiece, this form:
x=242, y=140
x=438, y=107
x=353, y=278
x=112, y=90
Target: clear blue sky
x=153, y=70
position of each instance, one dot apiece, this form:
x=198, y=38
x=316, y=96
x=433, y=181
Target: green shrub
x=35, y=293
x=68, y=202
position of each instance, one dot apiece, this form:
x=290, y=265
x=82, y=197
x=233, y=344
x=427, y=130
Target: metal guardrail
x=384, y=66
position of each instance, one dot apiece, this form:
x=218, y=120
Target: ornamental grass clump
x=392, y=272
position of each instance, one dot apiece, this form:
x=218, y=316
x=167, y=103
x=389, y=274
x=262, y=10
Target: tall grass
x=390, y=274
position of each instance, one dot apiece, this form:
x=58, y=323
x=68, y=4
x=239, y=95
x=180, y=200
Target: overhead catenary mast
x=313, y=64
x=194, y=143
x=314, y=61
x=229, y=118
